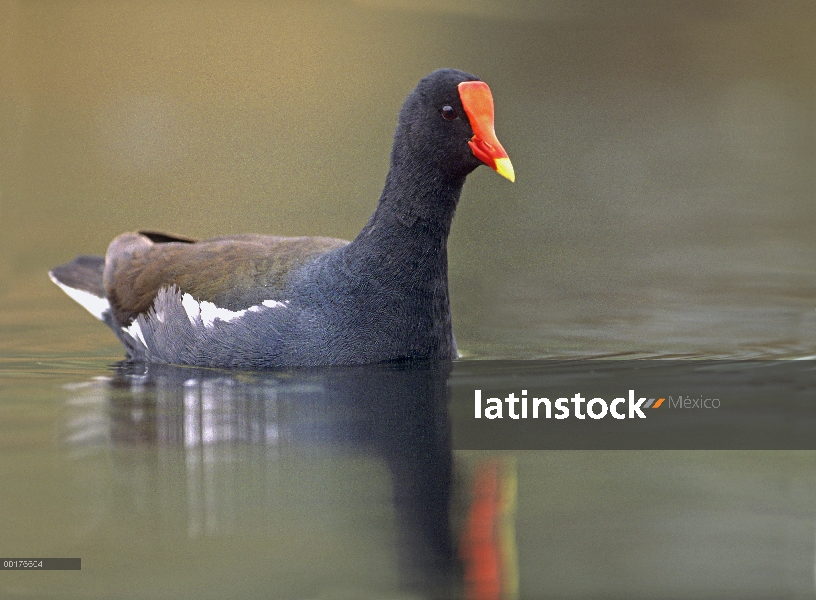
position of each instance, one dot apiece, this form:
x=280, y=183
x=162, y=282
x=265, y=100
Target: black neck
x=406, y=237
x=398, y=265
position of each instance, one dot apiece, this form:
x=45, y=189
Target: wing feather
x=231, y=272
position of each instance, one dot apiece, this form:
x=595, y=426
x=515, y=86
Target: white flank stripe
x=135, y=332
x=191, y=307
x=93, y=304
x=209, y=313
x=274, y=303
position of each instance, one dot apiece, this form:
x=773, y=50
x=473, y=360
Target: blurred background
x=665, y=155
x=664, y=152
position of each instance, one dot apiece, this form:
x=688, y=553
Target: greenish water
x=183, y=483
x=663, y=207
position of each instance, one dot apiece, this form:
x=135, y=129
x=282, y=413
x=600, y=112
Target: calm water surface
x=342, y=483
x=663, y=208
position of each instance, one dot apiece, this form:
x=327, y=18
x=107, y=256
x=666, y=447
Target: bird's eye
x=449, y=113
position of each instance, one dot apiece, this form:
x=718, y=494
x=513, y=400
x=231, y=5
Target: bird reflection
x=396, y=413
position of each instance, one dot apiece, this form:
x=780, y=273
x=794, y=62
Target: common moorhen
x=257, y=301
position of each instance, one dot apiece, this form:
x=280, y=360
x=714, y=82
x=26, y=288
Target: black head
x=435, y=129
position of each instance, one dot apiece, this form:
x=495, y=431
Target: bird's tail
x=81, y=279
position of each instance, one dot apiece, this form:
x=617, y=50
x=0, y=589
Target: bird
x=260, y=301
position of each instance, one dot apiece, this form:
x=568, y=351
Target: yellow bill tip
x=505, y=168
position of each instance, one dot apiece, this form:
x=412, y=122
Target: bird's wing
x=231, y=272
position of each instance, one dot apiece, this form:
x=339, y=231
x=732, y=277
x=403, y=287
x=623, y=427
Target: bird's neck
x=407, y=235
x=399, y=265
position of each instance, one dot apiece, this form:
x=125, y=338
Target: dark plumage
x=263, y=301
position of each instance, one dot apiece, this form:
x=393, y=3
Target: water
x=178, y=482
x=663, y=208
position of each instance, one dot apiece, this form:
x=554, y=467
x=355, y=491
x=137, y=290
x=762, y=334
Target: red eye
x=449, y=113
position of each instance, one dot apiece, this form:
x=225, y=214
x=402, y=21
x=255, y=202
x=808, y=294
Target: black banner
x=633, y=405
x=40, y=564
